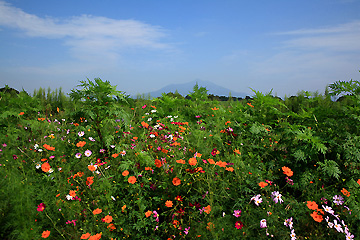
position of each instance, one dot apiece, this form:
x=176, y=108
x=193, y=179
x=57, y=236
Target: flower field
x=100, y=165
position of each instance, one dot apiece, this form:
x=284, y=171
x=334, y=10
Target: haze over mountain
x=185, y=88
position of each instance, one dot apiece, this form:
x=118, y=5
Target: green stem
x=55, y=225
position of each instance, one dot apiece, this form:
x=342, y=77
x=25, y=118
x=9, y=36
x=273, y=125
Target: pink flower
x=263, y=223
x=237, y=213
x=144, y=106
x=41, y=207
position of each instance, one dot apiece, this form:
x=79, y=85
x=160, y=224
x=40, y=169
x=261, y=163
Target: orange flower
x=183, y=161
x=89, y=181
x=85, y=236
x=192, y=161
x=92, y=168
x=95, y=237
x=148, y=169
x=169, y=203
x=45, y=234
x=312, y=205
x=132, y=179
x=144, y=124
x=158, y=163
x=45, y=167
x=125, y=173
x=22, y=113
x=358, y=181
x=316, y=217
x=287, y=171
x=41, y=119
x=262, y=184
x=48, y=147
x=211, y=161
x=148, y=213
x=237, y=151
x=221, y=164
x=198, y=154
x=123, y=208
x=111, y=227
x=72, y=193
x=97, y=211
x=81, y=144
x=115, y=155
x=250, y=104
x=345, y=192
x=108, y=219
x=176, y=181
x=207, y=209
x=230, y=169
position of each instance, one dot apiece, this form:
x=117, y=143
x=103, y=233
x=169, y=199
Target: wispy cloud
x=86, y=33
x=343, y=37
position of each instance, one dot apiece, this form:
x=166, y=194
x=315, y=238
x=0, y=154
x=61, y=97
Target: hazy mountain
x=185, y=88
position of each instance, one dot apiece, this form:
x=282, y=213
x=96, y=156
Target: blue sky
x=143, y=45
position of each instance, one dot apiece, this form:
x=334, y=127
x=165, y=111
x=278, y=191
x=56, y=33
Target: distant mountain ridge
x=185, y=88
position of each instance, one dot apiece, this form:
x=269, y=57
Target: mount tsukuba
x=185, y=88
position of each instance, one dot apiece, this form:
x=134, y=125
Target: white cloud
x=86, y=33
x=343, y=37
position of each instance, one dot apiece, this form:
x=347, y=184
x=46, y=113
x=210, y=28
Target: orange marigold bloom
x=207, y=209
x=108, y=219
x=125, y=173
x=345, y=192
x=89, y=181
x=123, y=208
x=48, y=147
x=198, y=154
x=158, y=163
x=176, y=181
x=45, y=234
x=230, y=169
x=95, y=237
x=316, y=217
x=85, y=236
x=312, y=205
x=144, y=124
x=358, y=181
x=22, y=113
x=115, y=155
x=211, y=161
x=221, y=164
x=181, y=161
x=192, y=161
x=148, y=213
x=97, y=211
x=92, y=168
x=72, y=193
x=262, y=184
x=81, y=144
x=237, y=151
x=287, y=171
x=111, y=227
x=45, y=167
x=169, y=203
x=132, y=179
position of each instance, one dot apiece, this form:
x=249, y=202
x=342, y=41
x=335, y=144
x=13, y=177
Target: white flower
x=40, y=150
x=153, y=111
x=81, y=133
x=68, y=197
x=293, y=235
x=328, y=209
x=38, y=165
x=113, y=198
x=36, y=146
x=88, y=153
x=338, y=226
x=149, y=119
x=152, y=135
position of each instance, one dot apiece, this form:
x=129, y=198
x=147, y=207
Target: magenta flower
x=41, y=207
x=239, y=225
x=237, y=213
